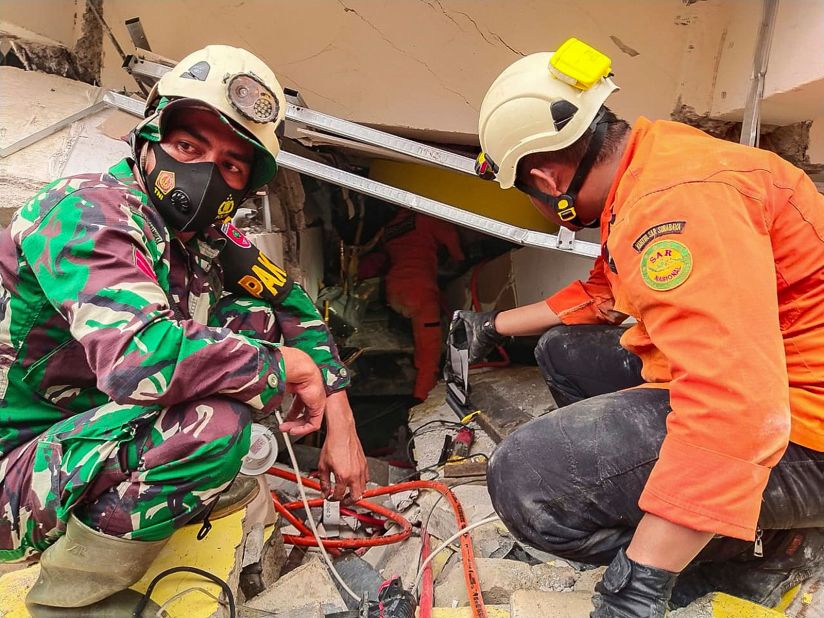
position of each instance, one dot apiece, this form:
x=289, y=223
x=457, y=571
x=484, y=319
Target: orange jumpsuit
x=412, y=242
x=718, y=251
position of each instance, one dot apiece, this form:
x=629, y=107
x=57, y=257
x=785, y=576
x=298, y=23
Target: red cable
x=426, y=600
x=467, y=553
x=307, y=539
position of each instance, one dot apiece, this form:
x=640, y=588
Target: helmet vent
x=562, y=112
x=198, y=71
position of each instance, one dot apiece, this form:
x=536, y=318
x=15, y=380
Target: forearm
x=534, y=319
x=662, y=544
x=338, y=413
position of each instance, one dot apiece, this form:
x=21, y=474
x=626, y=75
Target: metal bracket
x=566, y=239
x=137, y=34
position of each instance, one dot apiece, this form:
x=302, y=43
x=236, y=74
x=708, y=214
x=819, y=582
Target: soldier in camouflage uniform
x=137, y=336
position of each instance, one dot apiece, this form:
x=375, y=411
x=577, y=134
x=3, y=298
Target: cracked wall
x=421, y=67
x=67, y=38
x=414, y=64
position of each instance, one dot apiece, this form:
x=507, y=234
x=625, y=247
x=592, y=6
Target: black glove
x=632, y=590
x=481, y=336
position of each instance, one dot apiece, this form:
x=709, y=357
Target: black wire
x=138, y=610
x=425, y=525
x=416, y=433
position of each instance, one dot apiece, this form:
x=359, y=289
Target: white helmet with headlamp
x=246, y=95
x=541, y=103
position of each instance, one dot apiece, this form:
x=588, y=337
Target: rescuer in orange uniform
x=412, y=242
x=709, y=418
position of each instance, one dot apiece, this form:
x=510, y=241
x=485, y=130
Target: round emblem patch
x=666, y=264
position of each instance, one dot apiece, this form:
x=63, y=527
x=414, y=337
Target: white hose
x=309, y=513
x=445, y=544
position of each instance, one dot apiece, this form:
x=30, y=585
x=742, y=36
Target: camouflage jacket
x=99, y=302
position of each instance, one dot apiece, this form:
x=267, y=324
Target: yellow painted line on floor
x=215, y=553
x=788, y=598
x=492, y=611
x=726, y=606
x=14, y=587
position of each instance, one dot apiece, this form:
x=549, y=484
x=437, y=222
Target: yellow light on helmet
x=579, y=64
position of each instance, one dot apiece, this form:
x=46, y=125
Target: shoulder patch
x=662, y=229
x=666, y=265
x=235, y=235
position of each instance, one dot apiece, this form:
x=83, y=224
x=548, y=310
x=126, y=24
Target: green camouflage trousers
x=140, y=474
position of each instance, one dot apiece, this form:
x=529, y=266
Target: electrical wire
x=230, y=598
x=425, y=522
x=160, y=613
x=446, y=543
x=309, y=517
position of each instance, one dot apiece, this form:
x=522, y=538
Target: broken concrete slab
x=587, y=579
x=399, y=560
x=508, y=398
x=429, y=442
x=303, y=588
x=534, y=603
x=476, y=503
x=499, y=578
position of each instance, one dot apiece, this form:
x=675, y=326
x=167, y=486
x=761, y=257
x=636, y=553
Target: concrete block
x=499, y=579
x=476, y=503
x=556, y=577
x=399, y=560
x=305, y=587
x=587, y=579
x=536, y=604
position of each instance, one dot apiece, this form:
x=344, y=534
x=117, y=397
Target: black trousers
x=569, y=482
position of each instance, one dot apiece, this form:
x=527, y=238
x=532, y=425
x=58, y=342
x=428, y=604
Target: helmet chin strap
x=564, y=204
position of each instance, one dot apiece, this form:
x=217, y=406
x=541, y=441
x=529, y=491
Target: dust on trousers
x=569, y=482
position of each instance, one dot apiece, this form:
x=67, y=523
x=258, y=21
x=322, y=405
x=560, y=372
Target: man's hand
x=475, y=331
x=342, y=453
x=631, y=590
x=304, y=381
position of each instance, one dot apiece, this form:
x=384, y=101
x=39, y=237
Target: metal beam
x=751, y=125
x=565, y=241
x=418, y=203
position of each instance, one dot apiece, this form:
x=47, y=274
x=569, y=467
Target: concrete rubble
x=516, y=581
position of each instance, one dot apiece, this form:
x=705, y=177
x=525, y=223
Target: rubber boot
x=85, y=566
x=241, y=492
x=119, y=605
x=790, y=557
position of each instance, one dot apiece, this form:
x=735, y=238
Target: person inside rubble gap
x=139, y=332
x=691, y=443
x=412, y=242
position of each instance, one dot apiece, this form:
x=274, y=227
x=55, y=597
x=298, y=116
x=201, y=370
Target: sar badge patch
x=666, y=264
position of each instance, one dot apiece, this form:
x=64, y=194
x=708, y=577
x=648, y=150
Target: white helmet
x=236, y=84
x=542, y=102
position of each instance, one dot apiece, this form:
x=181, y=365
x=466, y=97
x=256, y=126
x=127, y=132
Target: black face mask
x=189, y=196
